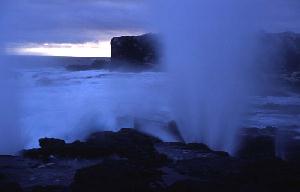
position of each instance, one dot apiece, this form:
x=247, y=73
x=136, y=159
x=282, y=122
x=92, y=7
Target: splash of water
x=209, y=52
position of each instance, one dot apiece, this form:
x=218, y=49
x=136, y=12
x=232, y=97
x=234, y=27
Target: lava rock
x=268, y=175
x=35, y=154
x=127, y=143
x=258, y=147
x=50, y=189
x=10, y=187
x=271, y=175
x=2, y=177
x=131, y=144
x=190, y=185
x=211, y=168
x=49, y=146
x=116, y=176
x=198, y=147
x=77, y=149
x=125, y=135
x=290, y=150
x=182, y=151
x=51, y=143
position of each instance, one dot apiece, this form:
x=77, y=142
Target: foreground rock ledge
x=132, y=161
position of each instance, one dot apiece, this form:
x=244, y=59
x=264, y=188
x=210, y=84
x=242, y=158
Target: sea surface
x=55, y=102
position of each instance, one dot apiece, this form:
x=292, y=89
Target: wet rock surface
x=131, y=161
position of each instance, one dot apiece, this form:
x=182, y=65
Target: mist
x=72, y=105
x=11, y=135
x=210, y=49
x=29, y=110
x=149, y=95
x=210, y=54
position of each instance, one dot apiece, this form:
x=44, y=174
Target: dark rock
x=183, y=151
x=50, y=189
x=270, y=175
x=125, y=135
x=10, y=187
x=32, y=174
x=236, y=175
x=135, y=50
x=127, y=143
x=131, y=144
x=95, y=65
x=190, y=185
x=211, y=168
x=77, y=149
x=257, y=147
x=35, y=154
x=198, y=147
x=288, y=144
x=221, y=153
x=289, y=149
x=142, y=164
x=2, y=177
x=51, y=143
x=116, y=176
x=260, y=143
x=257, y=143
x=49, y=146
x=85, y=150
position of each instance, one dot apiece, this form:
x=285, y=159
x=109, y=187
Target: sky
x=69, y=27
x=85, y=27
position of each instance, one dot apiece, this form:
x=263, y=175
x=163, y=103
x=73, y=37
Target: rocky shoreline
x=131, y=161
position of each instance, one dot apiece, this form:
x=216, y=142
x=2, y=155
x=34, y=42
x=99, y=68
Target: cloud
x=78, y=21
x=70, y=20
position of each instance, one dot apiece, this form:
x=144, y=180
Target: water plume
x=209, y=53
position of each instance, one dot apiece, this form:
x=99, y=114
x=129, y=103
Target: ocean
x=56, y=102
